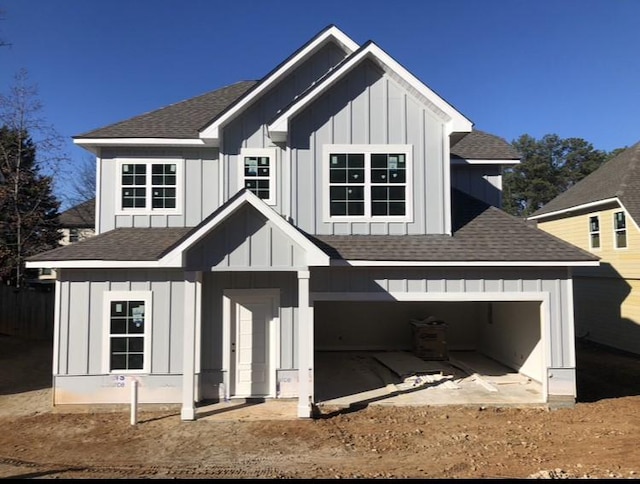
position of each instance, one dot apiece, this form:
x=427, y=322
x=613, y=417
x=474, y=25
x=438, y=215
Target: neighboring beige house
x=78, y=222
x=601, y=214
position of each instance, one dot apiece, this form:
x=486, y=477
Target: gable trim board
x=456, y=122
x=211, y=133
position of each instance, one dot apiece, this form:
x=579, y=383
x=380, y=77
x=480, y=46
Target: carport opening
x=372, y=346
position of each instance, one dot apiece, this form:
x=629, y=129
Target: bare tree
x=82, y=185
x=31, y=155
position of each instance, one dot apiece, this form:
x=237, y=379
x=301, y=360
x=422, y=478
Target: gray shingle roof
x=481, y=233
x=479, y=145
x=82, y=215
x=122, y=244
x=180, y=120
x=617, y=178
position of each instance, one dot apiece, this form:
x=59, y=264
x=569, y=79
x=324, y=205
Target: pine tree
x=28, y=207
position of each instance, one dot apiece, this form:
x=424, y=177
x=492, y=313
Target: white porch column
x=192, y=281
x=305, y=347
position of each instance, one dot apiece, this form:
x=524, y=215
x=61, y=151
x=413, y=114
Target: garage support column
x=305, y=346
x=192, y=281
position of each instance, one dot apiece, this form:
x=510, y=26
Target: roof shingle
x=482, y=233
x=617, y=178
x=180, y=120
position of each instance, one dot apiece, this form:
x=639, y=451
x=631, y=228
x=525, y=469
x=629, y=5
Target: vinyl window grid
x=127, y=322
x=619, y=230
x=258, y=172
x=368, y=182
x=149, y=186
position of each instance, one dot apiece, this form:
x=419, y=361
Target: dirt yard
x=597, y=438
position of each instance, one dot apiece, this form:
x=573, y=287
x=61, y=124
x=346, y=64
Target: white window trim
x=110, y=296
x=407, y=150
x=148, y=210
x=272, y=154
x=615, y=231
x=599, y=232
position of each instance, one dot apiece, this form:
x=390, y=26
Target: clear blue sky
x=569, y=67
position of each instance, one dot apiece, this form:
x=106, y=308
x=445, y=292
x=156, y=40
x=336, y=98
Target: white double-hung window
x=368, y=182
x=146, y=186
x=127, y=323
x=258, y=172
x=619, y=230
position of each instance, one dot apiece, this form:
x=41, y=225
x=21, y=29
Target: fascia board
x=382, y=263
x=575, y=208
x=457, y=122
x=213, y=130
x=480, y=161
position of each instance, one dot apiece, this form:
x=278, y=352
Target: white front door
x=251, y=321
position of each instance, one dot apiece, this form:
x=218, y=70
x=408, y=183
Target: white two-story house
x=319, y=208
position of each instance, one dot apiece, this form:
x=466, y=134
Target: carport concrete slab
x=345, y=379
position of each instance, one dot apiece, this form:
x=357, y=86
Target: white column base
x=188, y=413
x=304, y=411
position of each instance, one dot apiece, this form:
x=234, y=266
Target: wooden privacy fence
x=27, y=313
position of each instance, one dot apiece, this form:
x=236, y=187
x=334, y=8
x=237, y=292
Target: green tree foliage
x=28, y=206
x=549, y=166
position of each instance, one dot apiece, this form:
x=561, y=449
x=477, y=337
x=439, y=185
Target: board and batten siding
x=246, y=241
x=249, y=130
x=80, y=341
x=368, y=107
x=199, y=194
x=483, y=182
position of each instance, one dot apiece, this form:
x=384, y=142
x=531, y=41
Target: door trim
x=230, y=298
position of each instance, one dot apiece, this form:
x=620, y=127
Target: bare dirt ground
x=599, y=437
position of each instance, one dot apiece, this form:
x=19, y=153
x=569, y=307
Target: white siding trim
x=57, y=305
x=467, y=161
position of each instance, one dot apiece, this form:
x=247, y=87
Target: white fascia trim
x=395, y=263
x=96, y=264
x=91, y=142
x=458, y=123
x=213, y=130
x=575, y=208
x=315, y=256
x=466, y=161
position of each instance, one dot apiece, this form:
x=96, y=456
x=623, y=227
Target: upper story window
x=128, y=327
x=149, y=186
x=258, y=172
x=368, y=182
x=594, y=232
x=620, y=230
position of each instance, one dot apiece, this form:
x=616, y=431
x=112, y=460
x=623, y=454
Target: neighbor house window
x=368, y=182
x=258, y=173
x=128, y=324
x=620, y=230
x=594, y=232
x=74, y=235
x=149, y=186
